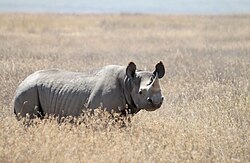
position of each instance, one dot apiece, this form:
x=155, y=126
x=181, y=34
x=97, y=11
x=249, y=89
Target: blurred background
x=128, y=6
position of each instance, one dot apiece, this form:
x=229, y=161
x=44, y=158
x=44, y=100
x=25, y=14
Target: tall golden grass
x=206, y=113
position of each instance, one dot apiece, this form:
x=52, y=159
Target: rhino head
x=142, y=88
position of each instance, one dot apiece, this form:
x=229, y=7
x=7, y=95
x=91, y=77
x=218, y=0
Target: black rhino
x=63, y=93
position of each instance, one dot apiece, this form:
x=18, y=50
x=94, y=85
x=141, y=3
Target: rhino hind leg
x=27, y=104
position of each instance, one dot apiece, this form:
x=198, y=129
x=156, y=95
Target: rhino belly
x=62, y=100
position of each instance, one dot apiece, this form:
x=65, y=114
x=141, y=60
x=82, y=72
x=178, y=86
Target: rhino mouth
x=153, y=106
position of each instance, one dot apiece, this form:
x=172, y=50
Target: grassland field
x=206, y=113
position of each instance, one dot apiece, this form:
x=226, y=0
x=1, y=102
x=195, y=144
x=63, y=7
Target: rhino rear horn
x=159, y=69
x=130, y=70
x=155, y=83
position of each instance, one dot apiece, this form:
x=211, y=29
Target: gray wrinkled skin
x=63, y=93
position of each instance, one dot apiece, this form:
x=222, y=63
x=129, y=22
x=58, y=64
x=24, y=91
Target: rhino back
x=68, y=93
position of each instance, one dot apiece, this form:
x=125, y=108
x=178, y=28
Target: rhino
x=120, y=89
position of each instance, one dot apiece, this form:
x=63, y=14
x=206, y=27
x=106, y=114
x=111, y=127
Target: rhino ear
x=130, y=70
x=159, y=69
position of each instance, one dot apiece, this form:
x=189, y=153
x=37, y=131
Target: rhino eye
x=140, y=92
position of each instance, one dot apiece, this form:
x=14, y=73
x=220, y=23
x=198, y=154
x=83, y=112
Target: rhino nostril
x=162, y=98
x=149, y=100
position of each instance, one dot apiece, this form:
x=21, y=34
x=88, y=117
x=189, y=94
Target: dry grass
x=206, y=114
